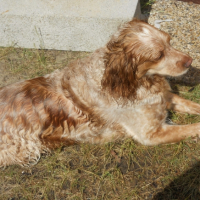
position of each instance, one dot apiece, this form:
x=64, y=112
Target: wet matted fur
x=118, y=92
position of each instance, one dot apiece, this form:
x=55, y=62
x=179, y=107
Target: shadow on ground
x=146, y=8
x=186, y=186
x=191, y=78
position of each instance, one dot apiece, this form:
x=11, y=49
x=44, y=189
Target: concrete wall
x=78, y=25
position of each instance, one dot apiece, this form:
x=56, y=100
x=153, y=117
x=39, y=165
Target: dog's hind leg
x=22, y=148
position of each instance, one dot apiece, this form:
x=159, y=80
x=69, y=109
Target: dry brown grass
x=123, y=170
x=19, y=64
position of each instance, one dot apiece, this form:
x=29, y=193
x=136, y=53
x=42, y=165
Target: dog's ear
x=120, y=78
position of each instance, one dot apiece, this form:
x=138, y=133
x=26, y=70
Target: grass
x=123, y=170
x=18, y=64
x=146, y=5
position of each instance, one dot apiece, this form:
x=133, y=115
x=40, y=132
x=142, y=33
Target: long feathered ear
x=120, y=78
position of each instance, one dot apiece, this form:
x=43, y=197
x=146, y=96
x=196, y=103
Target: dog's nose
x=188, y=63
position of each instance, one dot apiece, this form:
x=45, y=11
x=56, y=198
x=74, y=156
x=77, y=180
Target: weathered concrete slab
x=75, y=25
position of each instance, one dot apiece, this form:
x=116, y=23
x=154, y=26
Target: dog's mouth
x=179, y=74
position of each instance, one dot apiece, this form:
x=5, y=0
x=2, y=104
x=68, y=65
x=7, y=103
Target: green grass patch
x=146, y=5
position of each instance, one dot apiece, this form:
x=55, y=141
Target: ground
x=121, y=170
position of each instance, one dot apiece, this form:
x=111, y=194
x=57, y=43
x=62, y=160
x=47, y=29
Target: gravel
x=183, y=25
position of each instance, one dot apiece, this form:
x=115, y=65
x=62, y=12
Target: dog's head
x=138, y=50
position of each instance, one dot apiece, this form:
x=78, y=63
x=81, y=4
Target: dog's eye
x=160, y=56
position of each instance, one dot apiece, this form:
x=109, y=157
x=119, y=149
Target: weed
x=146, y=4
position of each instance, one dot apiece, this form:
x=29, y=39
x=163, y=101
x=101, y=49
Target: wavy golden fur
x=117, y=92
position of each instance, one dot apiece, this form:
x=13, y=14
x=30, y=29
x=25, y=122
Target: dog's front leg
x=179, y=104
x=173, y=133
